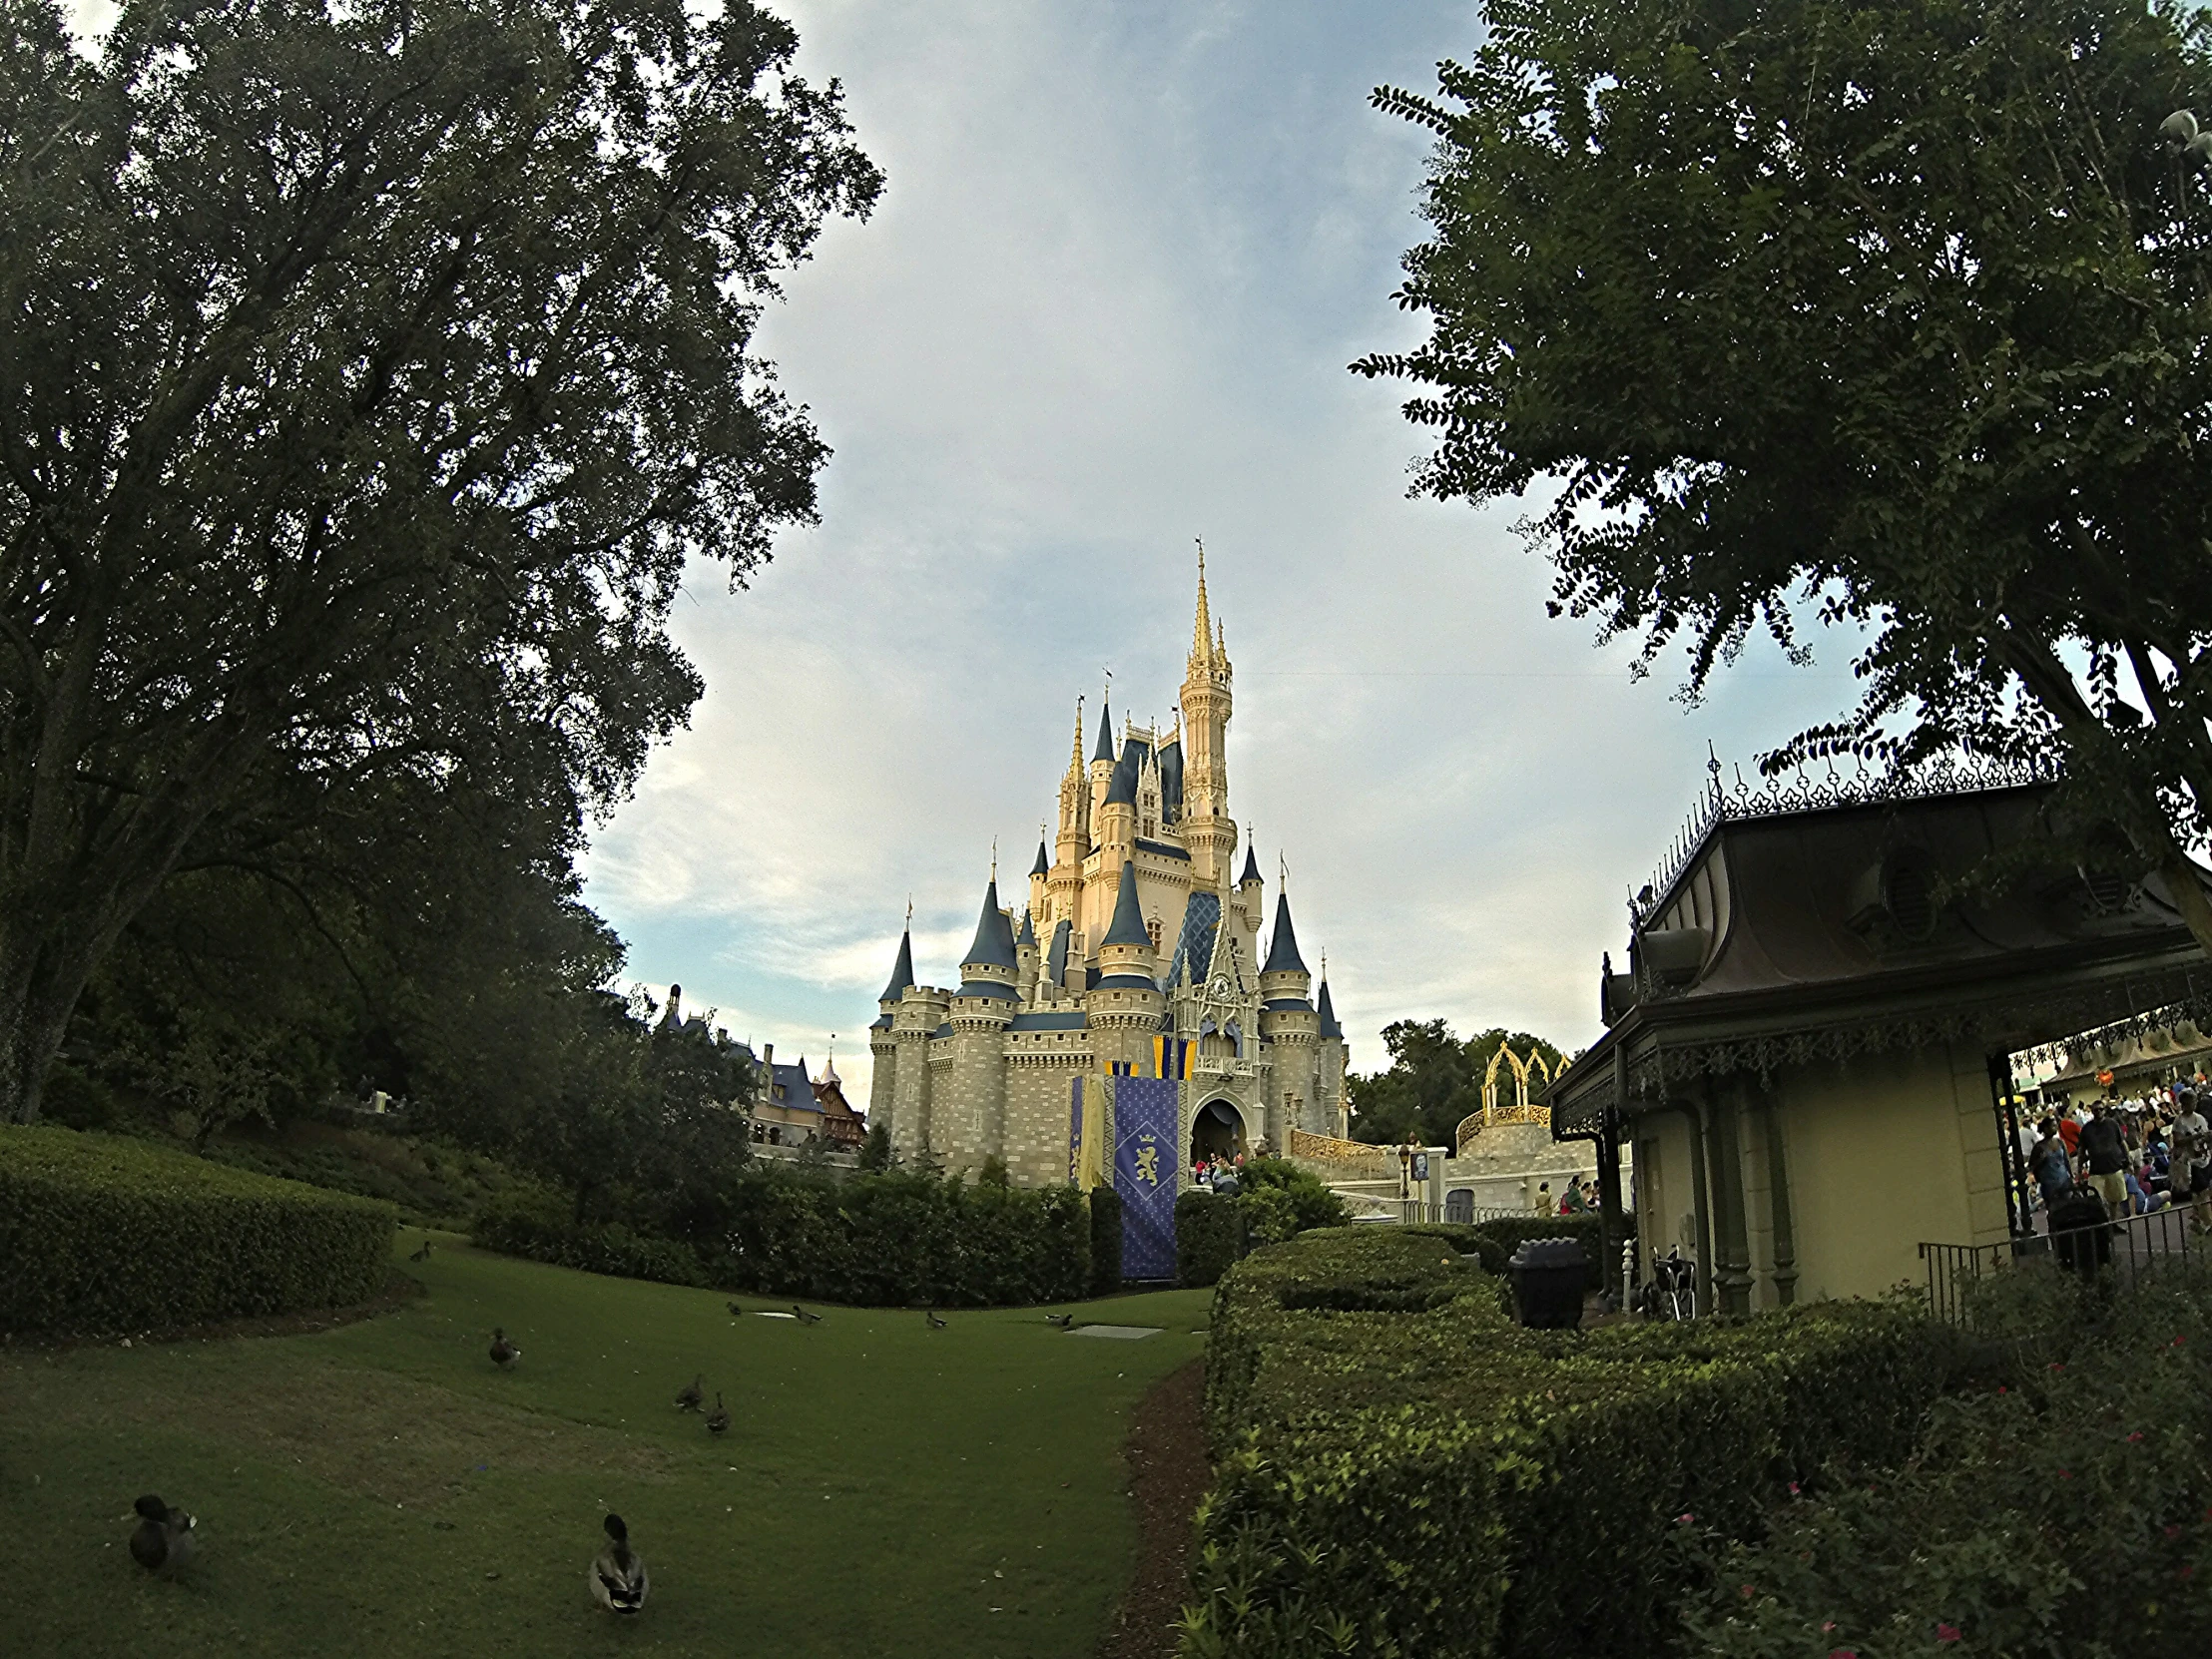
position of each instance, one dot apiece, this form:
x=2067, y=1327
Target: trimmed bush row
x=1403, y=1471
x=1105, y=1241
x=101, y=1233
x=1278, y=1200
x=897, y=1239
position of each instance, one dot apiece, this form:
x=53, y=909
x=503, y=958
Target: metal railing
x=2128, y=1249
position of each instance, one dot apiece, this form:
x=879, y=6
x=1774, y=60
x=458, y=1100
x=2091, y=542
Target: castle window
x=1152, y=928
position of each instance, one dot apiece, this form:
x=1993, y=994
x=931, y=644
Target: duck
x=422, y=1254
x=162, y=1541
x=618, y=1581
x=692, y=1393
x=718, y=1421
x=736, y=1311
x=503, y=1352
x=1066, y=1322
x=799, y=1314
x=935, y=1324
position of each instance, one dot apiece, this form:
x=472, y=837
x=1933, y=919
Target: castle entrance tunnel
x=1217, y=1131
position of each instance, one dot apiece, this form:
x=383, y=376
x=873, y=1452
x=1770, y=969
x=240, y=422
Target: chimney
x=768, y=1054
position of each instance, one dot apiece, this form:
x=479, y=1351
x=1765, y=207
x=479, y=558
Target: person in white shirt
x=2189, y=1150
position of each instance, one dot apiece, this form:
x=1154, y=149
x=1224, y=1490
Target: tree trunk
x=38, y=992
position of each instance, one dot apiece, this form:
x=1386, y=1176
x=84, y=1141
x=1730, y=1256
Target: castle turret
x=1102, y=764
x=1206, y=704
x=1040, y=875
x=1289, y=1023
x=972, y=1123
x=1122, y=1011
x=1116, y=819
x=882, y=1045
x=1125, y=954
x=1250, y=898
x=1025, y=957
x=1330, y=1055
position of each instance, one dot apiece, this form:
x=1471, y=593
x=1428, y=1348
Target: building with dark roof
x=1152, y=968
x=1808, y=1046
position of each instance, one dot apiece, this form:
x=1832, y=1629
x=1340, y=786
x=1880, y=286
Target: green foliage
x=337, y=490
x=897, y=1239
x=1918, y=294
x=522, y=1225
x=875, y=1151
x=1105, y=1206
x=1435, y=1080
x=1401, y=1470
x=1209, y=1237
x=101, y=1233
x=1276, y=1200
x=2063, y=1508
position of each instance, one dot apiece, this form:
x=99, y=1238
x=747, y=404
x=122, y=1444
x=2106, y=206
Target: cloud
x=1106, y=308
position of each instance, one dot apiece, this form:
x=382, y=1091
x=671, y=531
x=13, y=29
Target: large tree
x=368, y=373
x=1892, y=313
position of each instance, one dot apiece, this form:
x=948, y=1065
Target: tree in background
x=1895, y=314
x=368, y=374
x=1433, y=1081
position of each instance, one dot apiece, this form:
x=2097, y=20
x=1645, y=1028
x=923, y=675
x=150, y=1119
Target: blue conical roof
x=1105, y=750
x=1329, y=1026
x=1042, y=867
x=1252, y=868
x=1028, y=933
x=994, y=934
x=903, y=971
x=1128, y=928
x=1282, y=956
x=1056, y=961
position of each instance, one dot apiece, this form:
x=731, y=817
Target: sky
x=1105, y=308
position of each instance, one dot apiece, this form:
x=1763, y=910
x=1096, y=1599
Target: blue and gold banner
x=1147, y=1162
x=1076, y=1131
x=1172, y=1057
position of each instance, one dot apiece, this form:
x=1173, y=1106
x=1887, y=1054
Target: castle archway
x=1217, y=1130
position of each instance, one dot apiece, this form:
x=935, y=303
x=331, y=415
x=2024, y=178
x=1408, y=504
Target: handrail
x=2127, y=1247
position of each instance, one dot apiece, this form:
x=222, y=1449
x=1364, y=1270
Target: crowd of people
x=1576, y=1198
x=2137, y=1155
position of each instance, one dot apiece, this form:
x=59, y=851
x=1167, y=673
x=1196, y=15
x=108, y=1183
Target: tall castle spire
x=1202, y=630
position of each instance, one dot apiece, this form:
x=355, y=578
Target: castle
x=1138, y=956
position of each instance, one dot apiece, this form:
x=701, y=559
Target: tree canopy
x=368, y=374
x=1434, y=1079
x=1891, y=316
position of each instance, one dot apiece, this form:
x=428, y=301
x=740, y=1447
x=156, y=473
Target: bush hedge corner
x=1402, y=1470
x=102, y=1233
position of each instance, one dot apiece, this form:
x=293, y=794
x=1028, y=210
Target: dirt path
x=1168, y=1475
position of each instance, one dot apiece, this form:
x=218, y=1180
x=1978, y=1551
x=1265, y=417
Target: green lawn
x=382, y=1489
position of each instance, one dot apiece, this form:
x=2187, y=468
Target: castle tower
x=1064, y=882
x=1122, y=1011
x=1329, y=1070
x=1040, y=878
x=1251, y=897
x=1289, y=1026
x=1025, y=957
x=1102, y=766
x=883, y=1043
x=1206, y=702
x=971, y=1122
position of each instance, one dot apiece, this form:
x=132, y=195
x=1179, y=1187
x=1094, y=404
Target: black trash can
x=2085, y=1251
x=1549, y=1277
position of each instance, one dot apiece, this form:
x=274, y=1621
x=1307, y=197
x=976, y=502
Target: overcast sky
x=1104, y=307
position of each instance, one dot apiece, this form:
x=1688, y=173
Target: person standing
x=2189, y=1159
x=2048, y=1163
x=2103, y=1154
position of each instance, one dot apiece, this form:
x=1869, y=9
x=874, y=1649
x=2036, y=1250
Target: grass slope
x=381, y=1489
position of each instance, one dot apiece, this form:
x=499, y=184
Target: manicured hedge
x=1105, y=1241
x=523, y=1225
x=1209, y=1237
x=1401, y=1470
x=897, y=1239
x=101, y=1233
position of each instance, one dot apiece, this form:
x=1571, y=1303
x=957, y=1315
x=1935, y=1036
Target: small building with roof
x=1809, y=1048
x=1137, y=954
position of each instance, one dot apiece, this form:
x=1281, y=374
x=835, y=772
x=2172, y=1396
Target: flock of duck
x=162, y=1541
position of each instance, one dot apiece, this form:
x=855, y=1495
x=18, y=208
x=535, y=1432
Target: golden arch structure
x=1521, y=1111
